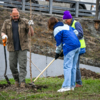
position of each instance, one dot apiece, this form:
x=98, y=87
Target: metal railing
x=75, y=11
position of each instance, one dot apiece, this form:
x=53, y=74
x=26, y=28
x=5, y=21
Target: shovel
x=4, y=44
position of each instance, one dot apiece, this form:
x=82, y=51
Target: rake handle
x=44, y=70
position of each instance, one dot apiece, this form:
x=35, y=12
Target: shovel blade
x=32, y=84
x=7, y=79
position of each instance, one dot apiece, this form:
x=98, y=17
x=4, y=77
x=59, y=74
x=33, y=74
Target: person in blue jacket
x=76, y=25
x=67, y=41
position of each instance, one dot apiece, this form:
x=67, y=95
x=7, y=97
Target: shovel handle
x=44, y=70
x=6, y=66
x=4, y=41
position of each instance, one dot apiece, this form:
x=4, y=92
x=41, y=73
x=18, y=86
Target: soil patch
x=5, y=87
x=89, y=74
x=84, y=73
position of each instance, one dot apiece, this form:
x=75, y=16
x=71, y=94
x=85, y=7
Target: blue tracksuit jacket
x=65, y=38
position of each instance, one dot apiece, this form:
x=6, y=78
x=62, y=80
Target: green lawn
x=89, y=91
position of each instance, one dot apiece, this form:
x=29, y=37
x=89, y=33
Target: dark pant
x=78, y=73
x=21, y=57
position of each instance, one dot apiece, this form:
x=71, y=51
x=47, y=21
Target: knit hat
x=67, y=15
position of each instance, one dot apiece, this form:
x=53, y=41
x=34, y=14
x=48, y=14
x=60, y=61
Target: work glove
x=61, y=54
x=31, y=22
x=76, y=32
x=56, y=56
x=4, y=39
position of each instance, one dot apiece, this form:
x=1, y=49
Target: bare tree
x=97, y=9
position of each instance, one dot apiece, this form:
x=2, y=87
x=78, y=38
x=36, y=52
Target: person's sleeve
x=75, y=31
x=27, y=26
x=78, y=27
x=58, y=39
x=3, y=29
x=59, y=48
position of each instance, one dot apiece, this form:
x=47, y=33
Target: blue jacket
x=65, y=38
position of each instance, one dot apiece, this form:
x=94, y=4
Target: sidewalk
x=55, y=69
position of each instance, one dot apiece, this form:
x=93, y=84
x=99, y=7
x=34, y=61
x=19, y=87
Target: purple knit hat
x=67, y=15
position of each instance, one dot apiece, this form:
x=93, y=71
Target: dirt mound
x=86, y=74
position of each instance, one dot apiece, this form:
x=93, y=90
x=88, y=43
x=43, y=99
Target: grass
x=89, y=91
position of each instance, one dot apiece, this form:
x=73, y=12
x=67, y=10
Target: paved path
x=55, y=69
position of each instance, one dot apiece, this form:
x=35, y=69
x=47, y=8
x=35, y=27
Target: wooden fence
x=50, y=8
